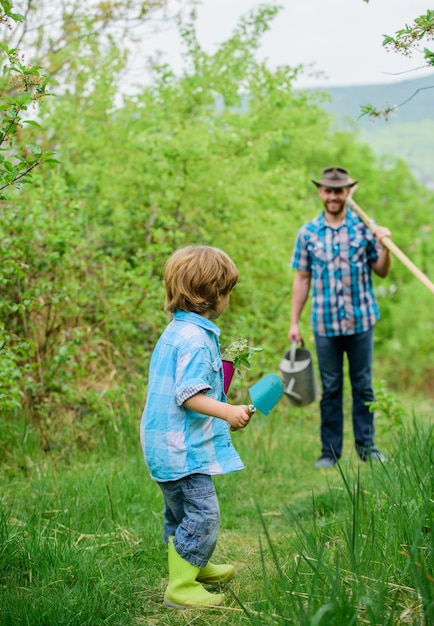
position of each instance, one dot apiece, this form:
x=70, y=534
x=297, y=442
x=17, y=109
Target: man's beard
x=336, y=211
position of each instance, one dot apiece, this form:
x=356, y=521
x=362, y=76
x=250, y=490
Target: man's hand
x=380, y=232
x=294, y=334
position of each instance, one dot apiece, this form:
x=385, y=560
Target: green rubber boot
x=183, y=590
x=215, y=574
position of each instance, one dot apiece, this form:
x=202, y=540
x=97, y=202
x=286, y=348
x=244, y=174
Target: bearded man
x=336, y=253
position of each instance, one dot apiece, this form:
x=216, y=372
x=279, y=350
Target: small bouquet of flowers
x=235, y=356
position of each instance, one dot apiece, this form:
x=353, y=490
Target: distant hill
x=409, y=134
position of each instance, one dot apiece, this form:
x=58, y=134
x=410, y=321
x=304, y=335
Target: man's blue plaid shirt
x=343, y=300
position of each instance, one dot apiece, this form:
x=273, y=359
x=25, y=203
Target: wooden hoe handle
x=388, y=243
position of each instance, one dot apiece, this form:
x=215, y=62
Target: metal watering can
x=299, y=382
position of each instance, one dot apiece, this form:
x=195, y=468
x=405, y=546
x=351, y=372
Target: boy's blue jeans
x=192, y=517
x=330, y=352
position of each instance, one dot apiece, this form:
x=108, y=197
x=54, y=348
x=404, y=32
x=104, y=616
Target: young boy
x=185, y=424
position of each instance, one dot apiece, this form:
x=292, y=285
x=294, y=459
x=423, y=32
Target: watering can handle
x=293, y=350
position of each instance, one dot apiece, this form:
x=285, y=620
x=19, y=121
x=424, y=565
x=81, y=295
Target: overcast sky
x=340, y=38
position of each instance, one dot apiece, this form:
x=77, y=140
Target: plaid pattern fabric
x=176, y=441
x=343, y=300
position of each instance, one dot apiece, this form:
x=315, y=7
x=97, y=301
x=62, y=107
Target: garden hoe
x=388, y=243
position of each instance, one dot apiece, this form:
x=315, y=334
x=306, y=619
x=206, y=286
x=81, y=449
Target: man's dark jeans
x=330, y=352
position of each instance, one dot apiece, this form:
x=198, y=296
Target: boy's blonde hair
x=195, y=277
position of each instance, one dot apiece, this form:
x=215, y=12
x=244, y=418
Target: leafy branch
x=22, y=86
x=405, y=42
x=406, y=39
x=388, y=111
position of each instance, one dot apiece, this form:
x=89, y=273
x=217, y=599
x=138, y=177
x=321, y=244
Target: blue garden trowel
x=266, y=393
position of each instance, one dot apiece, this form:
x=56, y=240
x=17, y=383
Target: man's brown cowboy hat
x=335, y=177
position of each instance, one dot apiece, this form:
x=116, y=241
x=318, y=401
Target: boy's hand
x=236, y=416
x=239, y=416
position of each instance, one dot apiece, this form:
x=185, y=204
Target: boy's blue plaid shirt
x=176, y=441
x=343, y=300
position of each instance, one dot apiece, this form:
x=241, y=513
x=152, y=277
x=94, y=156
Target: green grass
x=81, y=538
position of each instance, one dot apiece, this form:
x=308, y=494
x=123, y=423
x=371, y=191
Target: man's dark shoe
x=325, y=462
x=372, y=454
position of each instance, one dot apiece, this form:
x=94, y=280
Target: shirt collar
x=199, y=320
x=348, y=219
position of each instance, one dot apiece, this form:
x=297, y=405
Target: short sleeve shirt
x=339, y=258
x=176, y=441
